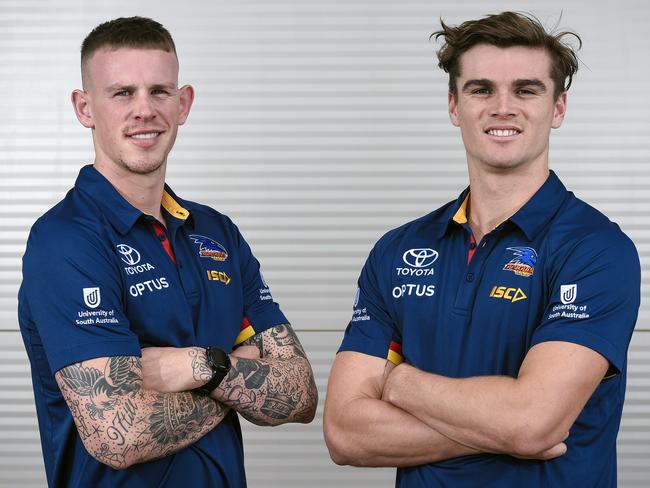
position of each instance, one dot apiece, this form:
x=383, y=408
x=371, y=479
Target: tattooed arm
x=121, y=423
x=270, y=380
x=275, y=389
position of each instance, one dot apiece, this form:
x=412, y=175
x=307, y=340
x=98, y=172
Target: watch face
x=219, y=359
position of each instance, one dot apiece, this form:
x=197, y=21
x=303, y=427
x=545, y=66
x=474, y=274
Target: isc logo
x=218, y=276
x=511, y=294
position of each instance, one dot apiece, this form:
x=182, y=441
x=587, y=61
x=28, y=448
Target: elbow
x=534, y=435
x=309, y=412
x=111, y=459
x=340, y=451
x=342, y=447
x=308, y=402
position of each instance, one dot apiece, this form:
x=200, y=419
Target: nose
x=504, y=105
x=144, y=109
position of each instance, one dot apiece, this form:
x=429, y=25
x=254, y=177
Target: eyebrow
x=533, y=82
x=157, y=86
x=484, y=82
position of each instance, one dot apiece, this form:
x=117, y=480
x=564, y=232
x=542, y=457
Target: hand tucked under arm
x=362, y=430
x=275, y=389
x=121, y=423
x=522, y=416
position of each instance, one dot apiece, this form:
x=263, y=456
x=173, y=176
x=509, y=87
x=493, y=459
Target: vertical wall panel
x=317, y=127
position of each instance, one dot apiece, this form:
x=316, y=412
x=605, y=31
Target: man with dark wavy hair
x=145, y=317
x=488, y=341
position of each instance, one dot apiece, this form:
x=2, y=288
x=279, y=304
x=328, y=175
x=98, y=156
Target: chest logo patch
x=128, y=254
x=523, y=262
x=420, y=258
x=507, y=293
x=209, y=248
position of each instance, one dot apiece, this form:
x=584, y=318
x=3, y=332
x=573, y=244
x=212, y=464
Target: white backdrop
x=317, y=127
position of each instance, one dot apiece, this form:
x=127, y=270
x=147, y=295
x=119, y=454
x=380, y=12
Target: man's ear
x=452, y=105
x=81, y=105
x=187, y=97
x=559, y=111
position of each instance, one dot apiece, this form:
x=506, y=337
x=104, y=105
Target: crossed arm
x=520, y=416
x=407, y=417
x=121, y=422
x=130, y=410
x=270, y=381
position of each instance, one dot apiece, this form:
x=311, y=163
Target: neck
x=144, y=192
x=495, y=197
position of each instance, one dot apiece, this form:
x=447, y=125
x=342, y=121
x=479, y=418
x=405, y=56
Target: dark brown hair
x=507, y=29
x=134, y=32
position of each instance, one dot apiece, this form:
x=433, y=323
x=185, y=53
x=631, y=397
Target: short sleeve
x=595, y=297
x=260, y=310
x=371, y=329
x=72, y=296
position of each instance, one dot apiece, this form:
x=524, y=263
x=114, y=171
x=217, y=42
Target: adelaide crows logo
x=209, y=248
x=523, y=262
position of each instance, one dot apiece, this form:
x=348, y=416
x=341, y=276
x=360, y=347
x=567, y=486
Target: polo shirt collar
x=531, y=218
x=540, y=209
x=121, y=213
x=456, y=213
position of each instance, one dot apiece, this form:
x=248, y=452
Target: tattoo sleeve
x=275, y=389
x=122, y=424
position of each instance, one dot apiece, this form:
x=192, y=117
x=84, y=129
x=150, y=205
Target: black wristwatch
x=219, y=362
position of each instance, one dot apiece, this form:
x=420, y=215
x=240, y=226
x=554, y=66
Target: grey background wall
x=317, y=127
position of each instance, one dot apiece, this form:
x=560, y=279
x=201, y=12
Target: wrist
x=215, y=366
x=394, y=380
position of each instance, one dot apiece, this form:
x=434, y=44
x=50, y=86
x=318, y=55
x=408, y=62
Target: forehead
x=494, y=63
x=132, y=66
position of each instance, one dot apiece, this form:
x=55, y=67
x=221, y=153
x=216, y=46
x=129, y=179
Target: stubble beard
x=142, y=166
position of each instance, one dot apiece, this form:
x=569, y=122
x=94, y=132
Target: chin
x=501, y=165
x=143, y=167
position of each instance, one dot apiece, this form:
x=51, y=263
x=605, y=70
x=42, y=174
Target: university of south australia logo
x=568, y=293
x=92, y=297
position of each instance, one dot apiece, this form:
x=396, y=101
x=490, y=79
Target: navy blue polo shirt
x=97, y=282
x=557, y=270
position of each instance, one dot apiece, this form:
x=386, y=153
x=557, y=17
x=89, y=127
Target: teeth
x=503, y=133
x=148, y=135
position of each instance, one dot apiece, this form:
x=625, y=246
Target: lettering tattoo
x=200, y=369
x=275, y=389
x=122, y=424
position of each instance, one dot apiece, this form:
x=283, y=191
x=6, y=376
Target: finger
x=246, y=352
x=555, y=451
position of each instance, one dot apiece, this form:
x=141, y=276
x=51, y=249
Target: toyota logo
x=129, y=255
x=420, y=258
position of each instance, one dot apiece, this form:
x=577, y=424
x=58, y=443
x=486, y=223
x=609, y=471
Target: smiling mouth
x=503, y=132
x=145, y=135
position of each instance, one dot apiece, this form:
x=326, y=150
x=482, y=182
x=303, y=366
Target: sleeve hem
x=378, y=349
x=93, y=350
x=586, y=339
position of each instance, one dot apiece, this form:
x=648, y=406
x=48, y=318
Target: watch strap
x=219, y=362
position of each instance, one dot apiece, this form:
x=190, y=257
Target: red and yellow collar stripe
x=246, y=332
x=395, y=353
